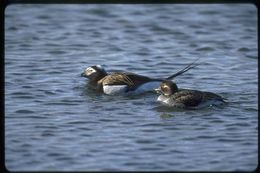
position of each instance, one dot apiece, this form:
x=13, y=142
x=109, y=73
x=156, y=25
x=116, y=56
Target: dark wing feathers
x=193, y=97
x=125, y=78
x=188, y=97
x=210, y=95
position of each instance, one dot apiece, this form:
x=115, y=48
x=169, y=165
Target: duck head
x=94, y=73
x=167, y=88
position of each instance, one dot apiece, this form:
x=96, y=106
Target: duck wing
x=212, y=96
x=188, y=97
x=132, y=80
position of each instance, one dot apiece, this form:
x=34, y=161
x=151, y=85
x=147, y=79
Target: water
x=54, y=122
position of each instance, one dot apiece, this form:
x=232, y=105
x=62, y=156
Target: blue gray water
x=54, y=122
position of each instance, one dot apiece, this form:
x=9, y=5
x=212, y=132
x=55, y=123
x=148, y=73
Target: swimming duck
x=124, y=82
x=171, y=95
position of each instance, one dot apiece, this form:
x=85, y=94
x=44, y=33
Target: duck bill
x=83, y=74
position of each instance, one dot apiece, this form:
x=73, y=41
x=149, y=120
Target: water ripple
x=55, y=121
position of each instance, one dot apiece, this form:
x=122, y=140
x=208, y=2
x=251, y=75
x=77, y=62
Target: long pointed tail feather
x=188, y=67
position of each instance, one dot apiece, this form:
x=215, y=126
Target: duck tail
x=188, y=67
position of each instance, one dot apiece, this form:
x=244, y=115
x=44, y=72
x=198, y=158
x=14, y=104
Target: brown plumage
x=171, y=95
x=132, y=80
x=124, y=81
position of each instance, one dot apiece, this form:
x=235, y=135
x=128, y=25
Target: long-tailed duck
x=185, y=98
x=124, y=82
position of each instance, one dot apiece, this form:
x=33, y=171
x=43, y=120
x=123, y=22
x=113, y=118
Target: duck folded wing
x=188, y=97
x=124, y=78
x=212, y=96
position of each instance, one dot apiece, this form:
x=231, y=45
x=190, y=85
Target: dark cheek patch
x=164, y=89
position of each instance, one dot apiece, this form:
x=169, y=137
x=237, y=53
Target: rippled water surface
x=54, y=122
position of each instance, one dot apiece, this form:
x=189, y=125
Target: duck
x=172, y=96
x=118, y=83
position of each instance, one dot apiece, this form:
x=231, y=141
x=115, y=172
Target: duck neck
x=97, y=82
x=98, y=77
